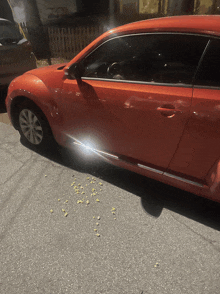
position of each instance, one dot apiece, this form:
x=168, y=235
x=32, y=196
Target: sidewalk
x=4, y=118
x=3, y=114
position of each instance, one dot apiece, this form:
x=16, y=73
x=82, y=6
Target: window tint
x=9, y=33
x=163, y=58
x=209, y=71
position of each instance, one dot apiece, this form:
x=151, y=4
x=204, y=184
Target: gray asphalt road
x=153, y=238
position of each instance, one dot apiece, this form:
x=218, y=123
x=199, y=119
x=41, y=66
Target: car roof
x=201, y=24
x=4, y=20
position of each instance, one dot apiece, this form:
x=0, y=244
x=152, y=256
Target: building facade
x=54, y=9
x=48, y=9
x=170, y=7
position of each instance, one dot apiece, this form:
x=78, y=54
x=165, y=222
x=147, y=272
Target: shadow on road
x=154, y=195
x=3, y=94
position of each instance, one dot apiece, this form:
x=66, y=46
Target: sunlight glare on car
x=87, y=148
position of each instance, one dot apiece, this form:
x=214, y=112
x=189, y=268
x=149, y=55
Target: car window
x=209, y=70
x=9, y=33
x=161, y=58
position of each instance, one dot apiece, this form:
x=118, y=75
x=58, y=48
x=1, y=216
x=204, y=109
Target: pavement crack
x=25, y=197
x=9, y=152
x=11, y=176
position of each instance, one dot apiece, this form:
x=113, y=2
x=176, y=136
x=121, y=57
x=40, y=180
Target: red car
x=144, y=96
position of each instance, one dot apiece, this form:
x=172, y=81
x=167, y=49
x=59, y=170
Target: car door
x=135, y=95
x=199, y=149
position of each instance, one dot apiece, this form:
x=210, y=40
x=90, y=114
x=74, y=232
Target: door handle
x=168, y=112
x=165, y=110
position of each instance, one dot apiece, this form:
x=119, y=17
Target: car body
x=16, y=56
x=144, y=96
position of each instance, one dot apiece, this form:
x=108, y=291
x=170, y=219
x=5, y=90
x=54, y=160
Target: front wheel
x=33, y=126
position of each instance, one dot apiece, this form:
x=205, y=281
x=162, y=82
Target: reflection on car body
x=144, y=96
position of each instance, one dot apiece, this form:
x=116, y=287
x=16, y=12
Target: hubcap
x=30, y=126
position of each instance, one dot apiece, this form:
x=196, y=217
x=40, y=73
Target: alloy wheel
x=30, y=126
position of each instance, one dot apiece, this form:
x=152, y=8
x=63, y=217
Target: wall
x=175, y=6
x=148, y=6
x=205, y=7
x=48, y=9
x=18, y=10
x=129, y=6
x=54, y=9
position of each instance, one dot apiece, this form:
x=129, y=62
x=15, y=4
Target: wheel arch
x=32, y=89
x=14, y=109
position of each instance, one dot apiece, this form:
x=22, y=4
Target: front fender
x=33, y=88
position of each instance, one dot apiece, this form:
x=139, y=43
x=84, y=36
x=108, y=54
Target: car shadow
x=155, y=196
x=3, y=94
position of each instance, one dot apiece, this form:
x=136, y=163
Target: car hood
x=45, y=72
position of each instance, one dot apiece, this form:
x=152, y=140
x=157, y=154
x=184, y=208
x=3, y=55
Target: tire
x=33, y=126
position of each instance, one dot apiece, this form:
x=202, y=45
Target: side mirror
x=74, y=72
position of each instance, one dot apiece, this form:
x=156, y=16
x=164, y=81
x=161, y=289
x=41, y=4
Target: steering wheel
x=115, y=71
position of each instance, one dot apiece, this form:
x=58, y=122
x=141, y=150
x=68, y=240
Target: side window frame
x=153, y=82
